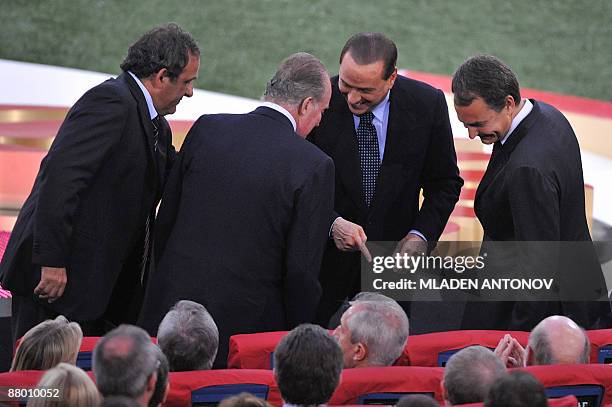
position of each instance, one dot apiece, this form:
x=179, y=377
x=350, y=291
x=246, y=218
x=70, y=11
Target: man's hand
x=52, y=283
x=411, y=245
x=510, y=351
x=349, y=236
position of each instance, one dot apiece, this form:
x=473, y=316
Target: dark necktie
x=147, y=232
x=369, y=158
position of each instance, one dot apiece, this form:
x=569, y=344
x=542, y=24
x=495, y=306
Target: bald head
x=557, y=340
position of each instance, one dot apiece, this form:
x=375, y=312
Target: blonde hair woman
x=47, y=344
x=74, y=389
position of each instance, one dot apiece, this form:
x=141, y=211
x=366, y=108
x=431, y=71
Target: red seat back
x=582, y=381
x=387, y=384
x=601, y=345
x=24, y=379
x=211, y=386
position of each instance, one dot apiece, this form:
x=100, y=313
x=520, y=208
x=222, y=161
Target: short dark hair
x=417, y=400
x=516, y=389
x=123, y=361
x=167, y=46
x=189, y=337
x=162, y=378
x=487, y=77
x=368, y=47
x=307, y=365
x=469, y=373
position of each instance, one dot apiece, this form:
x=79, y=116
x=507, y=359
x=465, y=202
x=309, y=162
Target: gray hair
x=487, y=77
x=47, y=344
x=540, y=347
x=123, y=361
x=469, y=374
x=189, y=337
x=162, y=378
x=382, y=326
x=298, y=77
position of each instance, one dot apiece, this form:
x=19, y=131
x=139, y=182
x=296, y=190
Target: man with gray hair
x=469, y=374
x=372, y=333
x=246, y=212
x=556, y=340
x=189, y=337
x=125, y=364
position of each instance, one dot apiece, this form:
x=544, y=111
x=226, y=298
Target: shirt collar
x=525, y=110
x=282, y=110
x=147, y=96
x=379, y=110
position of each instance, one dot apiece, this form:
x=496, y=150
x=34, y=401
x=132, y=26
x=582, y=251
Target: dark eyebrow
x=355, y=87
x=475, y=124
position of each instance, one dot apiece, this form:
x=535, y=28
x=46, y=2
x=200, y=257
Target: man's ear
x=392, y=77
x=361, y=352
x=159, y=77
x=443, y=390
x=305, y=105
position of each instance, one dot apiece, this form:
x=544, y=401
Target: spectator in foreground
x=244, y=400
x=556, y=340
x=47, y=344
x=516, y=389
x=307, y=366
x=124, y=364
x=75, y=388
x=162, y=385
x=372, y=333
x=469, y=374
x=189, y=337
x=417, y=400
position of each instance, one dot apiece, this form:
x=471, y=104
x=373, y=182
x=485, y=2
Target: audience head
x=76, y=388
x=244, y=400
x=124, y=364
x=301, y=85
x=372, y=333
x=367, y=70
x=557, y=340
x=161, y=385
x=47, y=344
x=469, y=374
x=417, y=400
x=307, y=365
x=167, y=61
x=189, y=337
x=516, y=389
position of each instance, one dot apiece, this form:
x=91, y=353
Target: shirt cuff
x=332, y=226
x=415, y=232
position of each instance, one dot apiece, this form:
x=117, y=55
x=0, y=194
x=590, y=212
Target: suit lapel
x=145, y=121
x=347, y=161
x=400, y=132
x=499, y=160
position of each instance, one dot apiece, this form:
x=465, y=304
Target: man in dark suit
x=532, y=191
x=81, y=244
x=245, y=214
x=389, y=137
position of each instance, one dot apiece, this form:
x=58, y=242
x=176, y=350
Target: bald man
x=556, y=340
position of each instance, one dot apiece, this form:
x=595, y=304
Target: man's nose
x=189, y=91
x=472, y=132
x=353, y=97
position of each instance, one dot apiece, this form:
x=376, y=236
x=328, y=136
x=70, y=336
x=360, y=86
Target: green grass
x=557, y=45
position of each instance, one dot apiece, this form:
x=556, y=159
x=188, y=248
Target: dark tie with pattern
x=369, y=158
x=147, y=232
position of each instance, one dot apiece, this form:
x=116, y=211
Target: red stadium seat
x=434, y=349
x=209, y=387
x=385, y=385
x=567, y=401
x=601, y=345
x=590, y=383
x=253, y=351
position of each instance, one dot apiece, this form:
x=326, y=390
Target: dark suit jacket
x=242, y=226
x=533, y=190
x=88, y=206
x=419, y=153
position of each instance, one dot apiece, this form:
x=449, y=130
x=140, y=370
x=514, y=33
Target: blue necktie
x=369, y=158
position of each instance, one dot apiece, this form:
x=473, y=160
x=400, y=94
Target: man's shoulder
x=409, y=89
x=115, y=90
